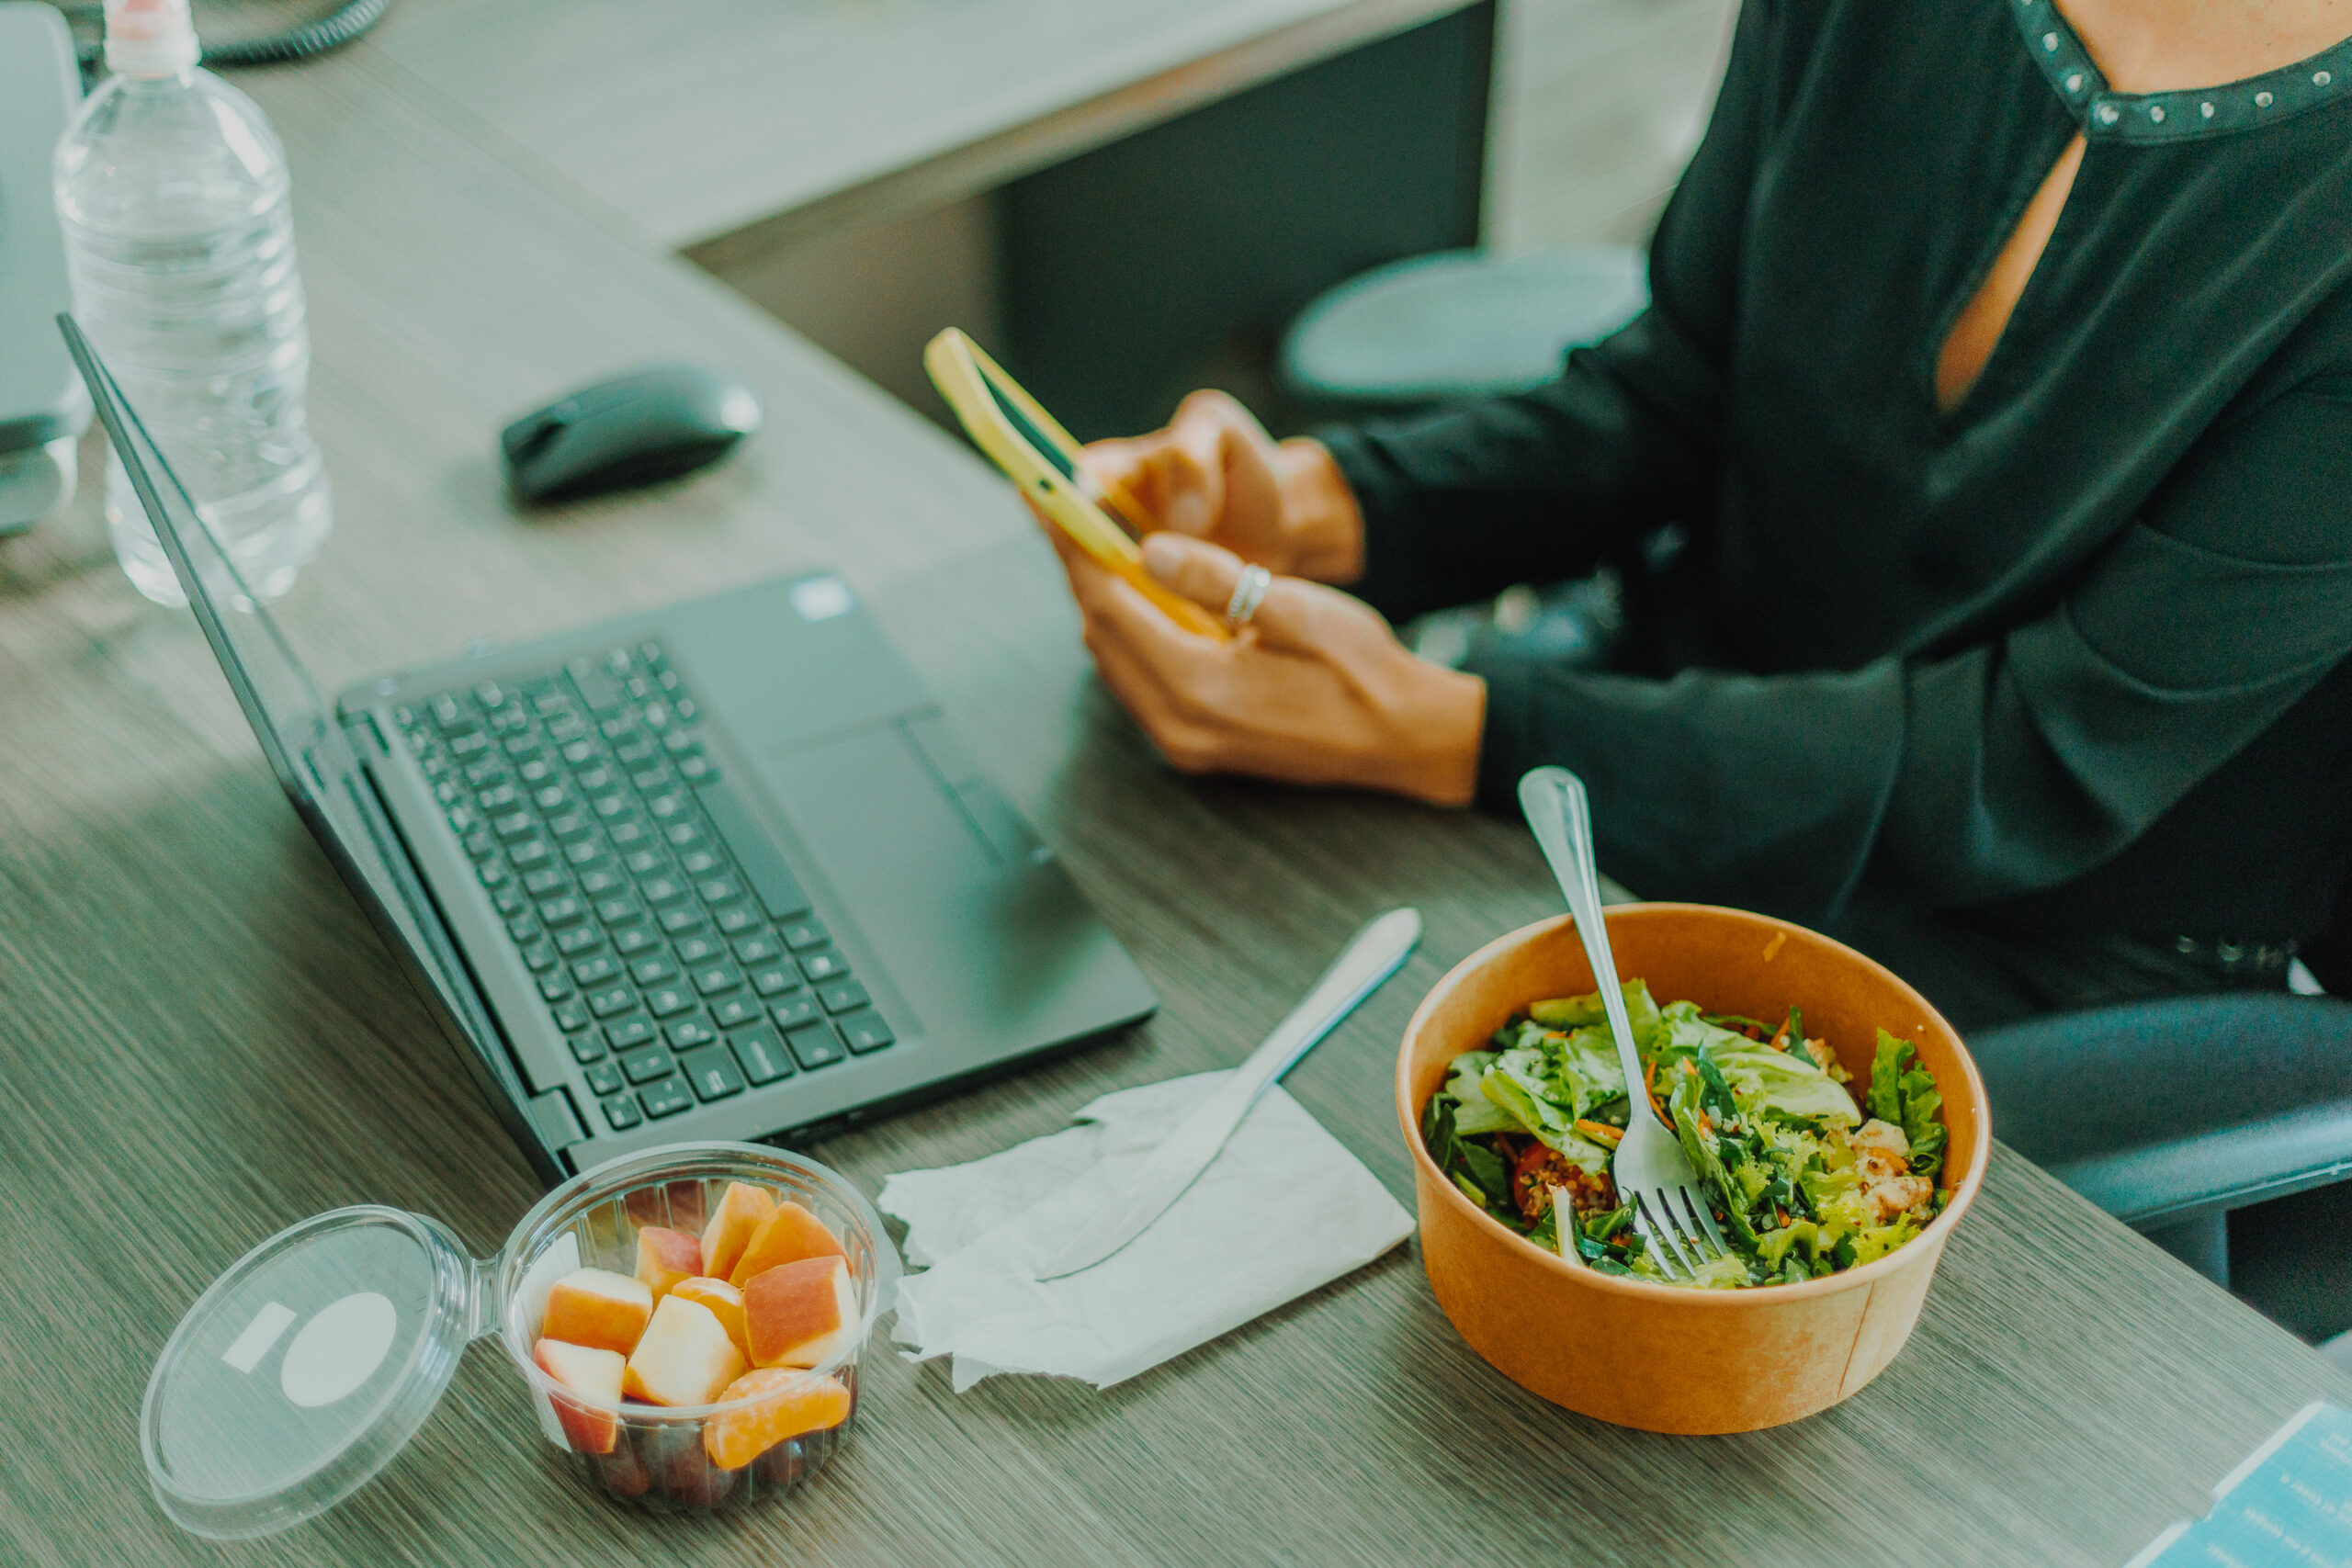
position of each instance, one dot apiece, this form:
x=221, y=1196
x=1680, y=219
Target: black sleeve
x=1990, y=771
x=1535, y=487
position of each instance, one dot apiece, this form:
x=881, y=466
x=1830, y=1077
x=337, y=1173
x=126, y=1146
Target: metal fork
x=1651, y=1171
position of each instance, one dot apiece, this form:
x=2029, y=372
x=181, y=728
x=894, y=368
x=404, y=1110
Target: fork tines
x=1680, y=1247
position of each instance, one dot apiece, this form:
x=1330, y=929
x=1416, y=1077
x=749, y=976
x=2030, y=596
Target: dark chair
x=2172, y=1114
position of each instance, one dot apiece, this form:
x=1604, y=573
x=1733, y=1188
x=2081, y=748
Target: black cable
x=331, y=32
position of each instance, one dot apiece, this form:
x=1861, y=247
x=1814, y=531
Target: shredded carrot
x=1600, y=1132
x=1779, y=1041
x=1706, y=1124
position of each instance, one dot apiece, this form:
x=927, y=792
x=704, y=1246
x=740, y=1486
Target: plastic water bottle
x=172, y=191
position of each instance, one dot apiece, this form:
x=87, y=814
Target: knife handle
x=1370, y=957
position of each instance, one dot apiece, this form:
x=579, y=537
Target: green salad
x=1800, y=1182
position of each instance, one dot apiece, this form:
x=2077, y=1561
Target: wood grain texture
x=797, y=116
x=201, y=1041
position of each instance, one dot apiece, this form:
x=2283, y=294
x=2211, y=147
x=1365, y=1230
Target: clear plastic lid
x=305, y=1368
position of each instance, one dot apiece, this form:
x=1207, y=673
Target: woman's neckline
x=2322, y=80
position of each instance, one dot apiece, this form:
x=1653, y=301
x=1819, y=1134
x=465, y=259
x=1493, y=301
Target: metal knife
x=1371, y=957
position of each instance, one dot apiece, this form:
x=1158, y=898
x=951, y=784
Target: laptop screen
x=307, y=747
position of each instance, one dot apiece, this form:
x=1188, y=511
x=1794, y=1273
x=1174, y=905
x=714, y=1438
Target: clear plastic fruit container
x=314, y=1359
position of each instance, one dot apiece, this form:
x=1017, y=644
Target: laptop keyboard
x=675, y=948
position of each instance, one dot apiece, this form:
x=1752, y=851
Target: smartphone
x=1036, y=453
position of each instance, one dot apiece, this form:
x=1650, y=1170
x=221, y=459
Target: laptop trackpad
x=872, y=811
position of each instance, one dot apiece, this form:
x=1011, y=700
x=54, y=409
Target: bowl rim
x=1963, y=1193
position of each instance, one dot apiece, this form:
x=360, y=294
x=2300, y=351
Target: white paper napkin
x=1283, y=1209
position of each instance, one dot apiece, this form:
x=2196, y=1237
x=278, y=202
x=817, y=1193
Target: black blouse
x=2075, y=651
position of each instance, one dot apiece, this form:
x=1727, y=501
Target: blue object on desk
x=634, y=430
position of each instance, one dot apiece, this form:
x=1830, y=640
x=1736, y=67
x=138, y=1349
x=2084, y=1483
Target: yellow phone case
x=995, y=410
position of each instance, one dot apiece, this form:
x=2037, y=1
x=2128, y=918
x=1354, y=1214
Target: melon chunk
x=665, y=1257
x=597, y=1308
x=800, y=1313
x=790, y=1403
x=788, y=1235
x=742, y=1211
x=595, y=1375
x=725, y=1301
x=685, y=1356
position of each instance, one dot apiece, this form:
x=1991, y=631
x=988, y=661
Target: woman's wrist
x=1438, y=720
x=1319, y=513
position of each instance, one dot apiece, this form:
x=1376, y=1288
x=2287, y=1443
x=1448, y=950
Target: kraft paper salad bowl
x=1658, y=1357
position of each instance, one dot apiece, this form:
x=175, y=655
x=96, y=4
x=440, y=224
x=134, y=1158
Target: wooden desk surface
x=201, y=1041
x=796, y=116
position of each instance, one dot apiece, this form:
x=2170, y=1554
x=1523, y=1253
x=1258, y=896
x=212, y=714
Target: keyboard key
x=498, y=798
x=570, y=826
x=765, y=1060
x=611, y=1001
x=487, y=772
x=617, y=725
x=493, y=873
x=646, y=781
x=683, y=918
x=605, y=1078
x=666, y=1098
x=463, y=821
x=539, y=770
x=595, y=779
x=587, y=1048
x=481, y=844
x=695, y=770
x=842, y=995
x=700, y=950
x=471, y=745
x=618, y=911
x=815, y=1045
x=775, y=982
x=629, y=1034
x=737, y=1011
x=582, y=851
x=801, y=934
x=551, y=797
x=622, y=1112
x=712, y=1074
x=632, y=752
x=681, y=834
x=690, y=1033
x=575, y=750
x=719, y=890
x=738, y=918
x=867, y=1031
x=539, y=957
x=652, y=970
x=594, y=971
x=522, y=929
x=528, y=854
x=491, y=695
x=611, y=809
x=564, y=911
x=448, y=712
x=576, y=939
x=644, y=1066
x=794, y=1011
x=823, y=964
x=760, y=949
x=510, y=900
x=555, y=988
x=659, y=890
x=522, y=745
x=717, y=978
x=667, y=1001
x=700, y=862
x=643, y=863
x=623, y=834
x=601, y=883
x=631, y=940
x=512, y=824
x=571, y=1016
x=548, y=879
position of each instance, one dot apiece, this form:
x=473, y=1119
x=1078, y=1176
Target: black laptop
x=718, y=871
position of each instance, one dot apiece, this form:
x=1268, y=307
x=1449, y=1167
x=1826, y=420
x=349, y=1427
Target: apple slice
x=685, y=1356
x=790, y=1403
x=788, y=1235
x=665, y=1257
x=800, y=1313
x=742, y=1211
x=597, y=1308
x=595, y=1375
x=725, y=1301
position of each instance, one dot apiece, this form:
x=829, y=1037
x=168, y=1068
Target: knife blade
x=1371, y=957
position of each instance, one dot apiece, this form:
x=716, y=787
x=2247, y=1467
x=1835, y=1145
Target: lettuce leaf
x=1909, y=1099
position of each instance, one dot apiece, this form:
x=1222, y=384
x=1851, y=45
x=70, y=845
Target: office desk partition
x=201, y=1041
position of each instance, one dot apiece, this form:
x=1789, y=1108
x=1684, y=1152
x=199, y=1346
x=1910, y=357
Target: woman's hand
x=1214, y=473
x=1314, y=690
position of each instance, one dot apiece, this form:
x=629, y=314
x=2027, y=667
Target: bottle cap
x=149, y=38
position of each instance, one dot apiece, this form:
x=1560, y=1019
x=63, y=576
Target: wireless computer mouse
x=648, y=425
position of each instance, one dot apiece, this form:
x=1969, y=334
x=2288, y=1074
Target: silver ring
x=1248, y=594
